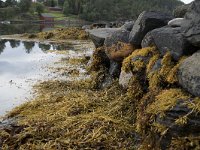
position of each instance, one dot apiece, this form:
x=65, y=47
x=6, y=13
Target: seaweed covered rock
x=117, y=36
x=135, y=65
x=146, y=22
x=169, y=39
x=98, y=36
x=172, y=116
x=98, y=60
x=128, y=26
x=189, y=74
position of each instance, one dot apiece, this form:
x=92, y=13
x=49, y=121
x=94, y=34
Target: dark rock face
x=146, y=22
x=98, y=36
x=169, y=39
x=128, y=26
x=189, y=74
x=192, y=27
x=117, y=36
x=114, y=69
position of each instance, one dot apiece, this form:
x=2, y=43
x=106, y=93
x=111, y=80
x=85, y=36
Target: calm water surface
x=22, y=64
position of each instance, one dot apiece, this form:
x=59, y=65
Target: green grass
x=60, y=16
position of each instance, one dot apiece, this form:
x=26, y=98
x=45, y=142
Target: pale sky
x=187, y=1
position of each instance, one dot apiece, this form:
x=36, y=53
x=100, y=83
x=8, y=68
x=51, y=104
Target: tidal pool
x=22, y=64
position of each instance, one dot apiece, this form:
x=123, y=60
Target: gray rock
x=157, y=65
x=189, y=74
x=98, y=36
x=169, y=39
x=192, y=27
x=128, y=26
x=117, y=36
x=124, y=79
x=146, y=22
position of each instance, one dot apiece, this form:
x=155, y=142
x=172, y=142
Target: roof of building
x=47, y=15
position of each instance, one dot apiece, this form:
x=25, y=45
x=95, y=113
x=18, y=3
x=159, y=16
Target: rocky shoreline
x=157, y=62
x=143, y=91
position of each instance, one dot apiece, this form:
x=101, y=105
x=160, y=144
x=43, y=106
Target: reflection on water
x=21, y=65
x=8, y=29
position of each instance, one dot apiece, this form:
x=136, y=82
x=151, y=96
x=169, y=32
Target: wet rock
x=128, y=26
x=189, y=74
x=98, y=36
x=117, y=36
x=169, y=39
x=146, y=22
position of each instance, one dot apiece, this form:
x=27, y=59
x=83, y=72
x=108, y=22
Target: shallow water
x=22, y=64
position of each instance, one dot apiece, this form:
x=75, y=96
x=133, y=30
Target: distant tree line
x=91, y=10
x=116, y=9
x=11, y=8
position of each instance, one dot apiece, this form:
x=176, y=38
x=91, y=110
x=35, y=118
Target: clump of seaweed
x=99, y=60
x=166, y=100
x=61, y=34
x=73, y=115
x=119, y=51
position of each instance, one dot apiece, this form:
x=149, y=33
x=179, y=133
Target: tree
x=93, y=10
x=25, y=5
x=9, y=3
x=1, y=4
x=50, y=3
x=37, y=7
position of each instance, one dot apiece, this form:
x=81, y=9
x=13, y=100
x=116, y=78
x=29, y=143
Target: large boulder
x=146, y=22
x=117, y=36
x=98, y=36
x=192, y=27
x=169, y=39
x=189, y=74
